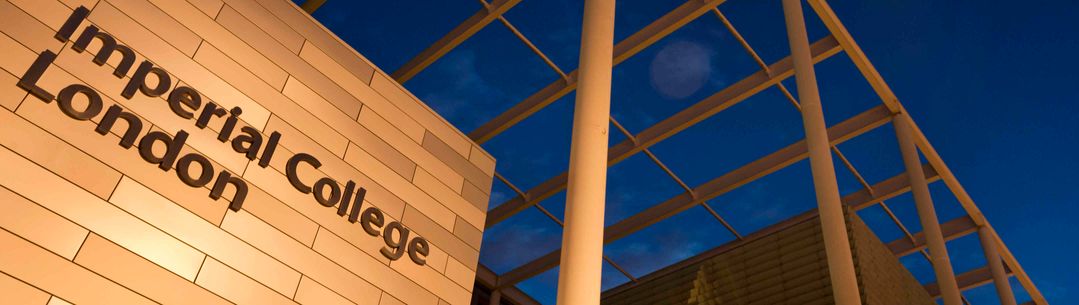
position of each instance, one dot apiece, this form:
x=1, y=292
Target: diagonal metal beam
x=780, y=159
x=730, y=96
x=839, y=133
x=749, y=50
x=625, y=49
x=738, y=36
x=530, y=45
x=605, y=257
x=726, y=247
x=971, y=208
x=670, y=173
x=888, y=97
x=836, y=27
x=892, y=187
x=562, y=224
x=886, y=189
x=967, y=280
x=662, y=27
x=889, y=188
x=794, y=102
x=955, y=228
x=452, y=39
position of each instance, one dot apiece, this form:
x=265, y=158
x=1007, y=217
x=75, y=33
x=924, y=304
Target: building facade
x=237, y=151
x=785, y=266
x=214, y=152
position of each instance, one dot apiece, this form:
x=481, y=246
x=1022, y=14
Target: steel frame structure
x=770, y=75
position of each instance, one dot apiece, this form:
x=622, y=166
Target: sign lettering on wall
x=80, y=102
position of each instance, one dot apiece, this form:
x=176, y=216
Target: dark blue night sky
x=991, y=83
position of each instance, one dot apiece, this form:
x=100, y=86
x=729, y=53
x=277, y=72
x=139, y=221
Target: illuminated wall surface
x=222, y=151
x=785, y=267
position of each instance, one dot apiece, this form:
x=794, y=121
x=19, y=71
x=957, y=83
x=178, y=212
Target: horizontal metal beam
x=838, y=133
x=488, y=278
x=662, y=27
x=971, y=208
x=452, y=39
x=767, y=231
x=623, y=50
x=888, y=97
x=886, y=189
x=967, y=280
x=955, y=228
x=730, y=96
x=773, y=162
x=869, y=72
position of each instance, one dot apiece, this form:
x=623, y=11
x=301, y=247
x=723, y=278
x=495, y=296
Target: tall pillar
x=938, y=253
x=582, y=237
x=833, y=224
x=996, y=266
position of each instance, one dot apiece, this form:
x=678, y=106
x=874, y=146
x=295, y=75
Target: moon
x=680, y=69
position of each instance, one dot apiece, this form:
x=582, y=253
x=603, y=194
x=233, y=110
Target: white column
x=833, y=224
x=938, y=253
x=582, y=237
x=996, y=266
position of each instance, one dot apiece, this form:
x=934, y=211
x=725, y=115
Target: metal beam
x=967, y=280
x=838, y=133
x=674, y=177
x=532, y=46
x=972, y=209
x=488, y=278
x=623, y=50
x=780, y=159
x=452, y=39
x=662, y=27
x=562, y=225
x=889, y=188
x=888, y=97
x=767, y=231
x=836, y=27
x=927, y=214
x=996, y=267
x=580, y=278
x=955, y=228
x=730, y=96
x=834, y=231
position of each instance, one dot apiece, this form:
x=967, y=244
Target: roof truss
x=769, y=75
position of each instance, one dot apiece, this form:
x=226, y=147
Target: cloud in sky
x=511, y=244
x=465, y=92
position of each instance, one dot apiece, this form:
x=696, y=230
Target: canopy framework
x=770, y=75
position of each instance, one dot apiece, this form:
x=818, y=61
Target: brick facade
x=785, y=267
x=88, y=221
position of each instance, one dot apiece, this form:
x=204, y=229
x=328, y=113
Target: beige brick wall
x=87, y=221
x=883, y=278
x=786, y=267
